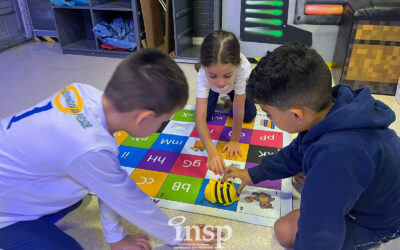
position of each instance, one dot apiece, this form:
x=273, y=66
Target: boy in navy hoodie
x=351, y=159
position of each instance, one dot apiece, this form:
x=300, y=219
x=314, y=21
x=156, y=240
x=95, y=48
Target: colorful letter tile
x=179, y=128
x=145, y=142
x=267, y=138
x=156, y=160
x=180, y=188
x=248, y=125
x=148, y=181
x=194, y=146
x=218, y=118
x=185, y=115
x=171, y=143
x=244, y=148
x=120, y=136
x=256, y=153
x=130, y=156
x=214, y=130
x=245, y=135
x=190, y=165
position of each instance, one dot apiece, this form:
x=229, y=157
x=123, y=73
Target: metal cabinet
x=192, y=21
x=11, y=25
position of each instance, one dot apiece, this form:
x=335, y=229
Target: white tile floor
x=35, y=70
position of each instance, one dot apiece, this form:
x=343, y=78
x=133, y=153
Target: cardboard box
x=397, y=95
x=152, y=23
x=155, y=37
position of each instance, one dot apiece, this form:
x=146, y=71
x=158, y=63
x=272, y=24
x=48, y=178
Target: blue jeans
x=361, y=238
x=250, y=110
x=38, y=234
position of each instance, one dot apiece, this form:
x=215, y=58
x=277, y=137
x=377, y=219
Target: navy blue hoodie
x=351, y=160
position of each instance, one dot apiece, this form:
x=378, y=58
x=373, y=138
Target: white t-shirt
x=243, y=71
x=54, y=154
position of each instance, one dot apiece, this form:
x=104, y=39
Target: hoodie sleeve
x=334, y=183
x=286, y=163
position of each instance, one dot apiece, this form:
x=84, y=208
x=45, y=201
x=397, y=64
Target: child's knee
x=282, y=232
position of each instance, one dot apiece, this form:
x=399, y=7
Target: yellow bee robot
x=223, y=192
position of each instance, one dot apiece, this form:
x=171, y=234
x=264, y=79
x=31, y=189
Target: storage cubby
x=75, y=25
x=108, y=16
x=75, y=29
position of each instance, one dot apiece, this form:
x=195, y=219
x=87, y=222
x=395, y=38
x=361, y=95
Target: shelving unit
x=192, y=20
x=75, y=25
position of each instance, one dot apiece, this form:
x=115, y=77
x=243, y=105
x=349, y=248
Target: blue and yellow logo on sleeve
x=73, y=107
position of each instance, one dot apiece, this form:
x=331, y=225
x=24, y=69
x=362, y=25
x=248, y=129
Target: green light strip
x=264, y=31
x=276, y=22
x=265, y=12
x=268, y=3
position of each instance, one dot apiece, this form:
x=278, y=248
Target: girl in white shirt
x=224, y=70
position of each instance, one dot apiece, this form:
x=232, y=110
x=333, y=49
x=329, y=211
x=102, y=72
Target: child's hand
x=300, y=178
x=215, y=162
x=232, y=150
x=132, y=242
x=203, y=240
x=243, y=174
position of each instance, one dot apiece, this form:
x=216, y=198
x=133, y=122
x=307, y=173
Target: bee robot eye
x=221, y=192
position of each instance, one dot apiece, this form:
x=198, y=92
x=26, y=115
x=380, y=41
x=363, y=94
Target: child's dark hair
x=148, y=79
x=292, y=75
x=220, y=47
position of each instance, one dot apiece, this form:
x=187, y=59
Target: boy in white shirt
x=54, y=154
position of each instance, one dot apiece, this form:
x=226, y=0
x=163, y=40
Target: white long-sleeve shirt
x=55, y=153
